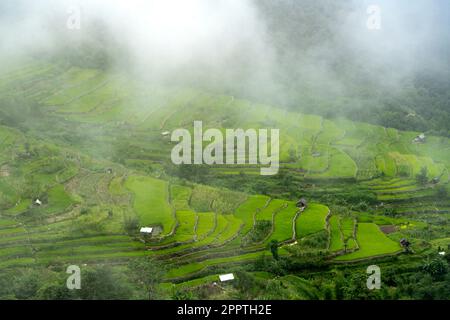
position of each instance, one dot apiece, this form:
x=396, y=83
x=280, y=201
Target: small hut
x=302, y=203
x=145, y=231
x=405, y=243
x=38, y=202
x=421, y=138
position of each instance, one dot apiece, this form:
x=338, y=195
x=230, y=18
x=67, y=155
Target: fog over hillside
x=314, y=56
x=250, y=150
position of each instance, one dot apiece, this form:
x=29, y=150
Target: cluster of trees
x=422, y=176
x=258, y=233
x=97, y=283
x=308, y=33
x=428, y=280
x=42, y=284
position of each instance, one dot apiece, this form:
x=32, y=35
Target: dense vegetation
x=104, y=173
x=313, y=50
x=85, y=163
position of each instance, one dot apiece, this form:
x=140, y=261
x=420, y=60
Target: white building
x=226, y=277
x=146, y=231
x=420, y=138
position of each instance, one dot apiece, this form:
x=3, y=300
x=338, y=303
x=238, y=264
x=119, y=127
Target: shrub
x=131, y=225
x=259, y=232
x=422, y=177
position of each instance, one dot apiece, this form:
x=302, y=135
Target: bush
x=437, y=268
x=422, y=177
x=131, y=225
x=441, y=192
x=259, y=232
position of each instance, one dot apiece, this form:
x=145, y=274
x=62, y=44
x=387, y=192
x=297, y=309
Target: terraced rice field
x=372, y=242
x=284, y=223
x=248, y=210
x=150, y=202
x=336, y=236
x=327, y=148
x=312, y=220
x=86, y=207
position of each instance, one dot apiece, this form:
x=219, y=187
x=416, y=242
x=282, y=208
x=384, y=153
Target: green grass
x=208, y=239
x=110, y=248
x=58, y=200
x=180, y=197
x=284, y=223
x=132, y=128
x=312, y=220
x=19, y=262
x=233, y=226
x=372, y=242
x=267, y=213
x=314, y=161
x=205, y=198
x=300, y=289
x=21, y=207
x=336, y=237
x=347, y=227
x=81, y=241
x=11, y=231
x=198, y=282
x=116, y=187
x=246, y=211
x=205, y=224
x=150, y=201
x=222, y=224
x=444, y=243
x=185, y=230
x=187, y=269
x=15, y=252
x=7, y=223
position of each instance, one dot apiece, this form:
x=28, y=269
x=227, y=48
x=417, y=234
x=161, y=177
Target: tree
x=273, y=246
x=292, y=155
x=422, y=177
x=27, y=285
x=441, y=192
x=148, y=272
x=437, y=267
x=245, y=282
x=183, y=294
x=390, y=212
x=56, y=290
x=339, y=285
x=102, y=284
x=131, y=225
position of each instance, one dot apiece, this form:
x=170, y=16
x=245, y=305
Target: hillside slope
x=101, y=172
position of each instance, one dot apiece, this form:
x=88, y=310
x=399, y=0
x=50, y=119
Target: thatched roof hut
x=302, y=203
